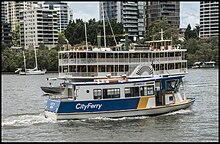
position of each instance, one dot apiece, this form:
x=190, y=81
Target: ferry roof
x=125, y=81
x=197, y=63
x=210, y=62
x=131, y=51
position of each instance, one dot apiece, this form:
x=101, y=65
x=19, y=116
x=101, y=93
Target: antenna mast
x=103, y=24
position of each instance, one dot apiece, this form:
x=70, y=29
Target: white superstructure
x=81, y=64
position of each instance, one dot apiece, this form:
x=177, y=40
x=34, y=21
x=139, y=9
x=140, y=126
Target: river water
x=23, y=121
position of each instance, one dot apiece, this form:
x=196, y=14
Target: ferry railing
x=169, y=71
x=95, y=74
x=83, y=74
x=61, y=98
x=90, y=74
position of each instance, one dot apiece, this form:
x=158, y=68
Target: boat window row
x=112, y=93
x=119, y=55
x=116, y=68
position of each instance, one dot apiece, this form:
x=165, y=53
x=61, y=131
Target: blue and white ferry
x=119, y=97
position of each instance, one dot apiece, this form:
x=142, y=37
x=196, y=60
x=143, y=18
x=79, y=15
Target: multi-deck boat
x=209, y=64
x=80, y=64
x=119, y=97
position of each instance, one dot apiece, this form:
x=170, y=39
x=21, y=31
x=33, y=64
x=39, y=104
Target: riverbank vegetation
x=197, y=49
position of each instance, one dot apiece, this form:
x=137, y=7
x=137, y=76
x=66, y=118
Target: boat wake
x=182, y=111
x=115, y=119
x=25, y=120
x=34, y=119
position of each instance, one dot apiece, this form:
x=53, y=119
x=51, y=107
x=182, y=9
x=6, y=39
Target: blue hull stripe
x=92, y=106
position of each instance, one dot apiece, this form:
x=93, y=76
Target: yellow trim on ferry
x=185, y=101
x=143, y=102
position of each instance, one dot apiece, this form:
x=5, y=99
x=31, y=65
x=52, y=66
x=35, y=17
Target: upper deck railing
x=103, y=74
x=74, y=61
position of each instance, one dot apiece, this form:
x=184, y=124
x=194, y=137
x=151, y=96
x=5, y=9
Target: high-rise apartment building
x=64, y=13
x=39, y=21
x=6, y=37
x=3, y=11
x=38, y=26
x=130, y=13
x=14, y=7
x=157, y=10
x=209, y=18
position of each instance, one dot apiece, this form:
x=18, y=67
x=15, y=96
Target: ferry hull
x=120, y=113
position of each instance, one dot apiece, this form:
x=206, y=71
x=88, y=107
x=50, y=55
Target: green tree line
x=47, y=58
x=197, y=49
x=75, y=31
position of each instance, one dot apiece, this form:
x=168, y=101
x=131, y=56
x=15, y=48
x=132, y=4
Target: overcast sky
x=189, y=11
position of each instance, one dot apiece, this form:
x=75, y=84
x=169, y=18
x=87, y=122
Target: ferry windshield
x=173, y=85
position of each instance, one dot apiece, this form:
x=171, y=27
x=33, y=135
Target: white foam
x=26, y=120
x=116, y=119
x=182, y=111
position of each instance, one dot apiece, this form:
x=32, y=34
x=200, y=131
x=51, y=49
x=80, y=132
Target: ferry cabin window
x=97, y=94
x=150, y=90
x=171, y=98
x=170, y=86
x=111, y=93
x=157, y=85
x=147, y=90
x=131, y=91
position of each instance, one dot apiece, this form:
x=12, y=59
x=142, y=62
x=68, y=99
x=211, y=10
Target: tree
x=9, y=60
x=197, y=30
x=3, y=47
x=53, y=60
x=117, y=30
x=154, y=29
x=192, y=33
x=201, y=50
x=75, y=31
x=61, y=38
x=92, y=30
x=16, y=35
x=188, y=32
